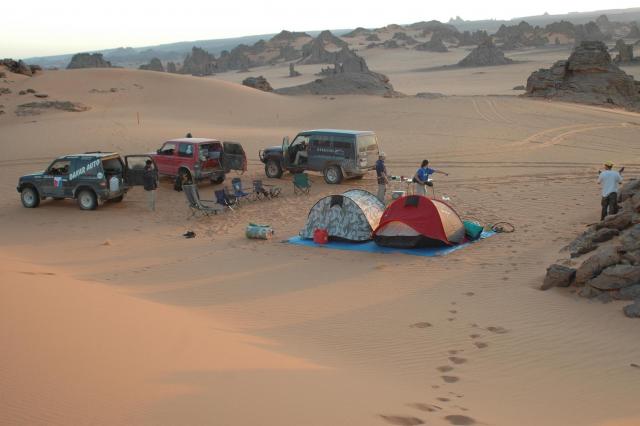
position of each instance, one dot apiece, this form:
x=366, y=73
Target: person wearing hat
x=609, y=180
x=383, y=178
x=150, y=184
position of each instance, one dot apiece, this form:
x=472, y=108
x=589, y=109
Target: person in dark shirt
x=383, y=178
x=150, y=184
x=421, y=177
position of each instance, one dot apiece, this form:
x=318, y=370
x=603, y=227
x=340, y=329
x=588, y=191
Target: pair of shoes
x=189, y=234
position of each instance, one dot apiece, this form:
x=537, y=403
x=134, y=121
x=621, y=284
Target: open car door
x=134, y=169
x=285, y=152
x=233, y=157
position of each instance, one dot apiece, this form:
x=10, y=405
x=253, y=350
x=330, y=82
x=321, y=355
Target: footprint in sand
x=453, y=351
x=444, y=368
x=430, y=408
x=443, y=399
x=453, y=311
x=402, y=420
x=420, y=325
x=480, y=345
x=474, y=336
x=634, y=365
x=450, y=379
x=451, y=319
x=497, y=330
x=460, y=420
x=457, y=360
x=469, y=293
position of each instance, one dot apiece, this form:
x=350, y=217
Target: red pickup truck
x=196, y=159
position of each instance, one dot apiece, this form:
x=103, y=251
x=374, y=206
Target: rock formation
x=346, y=60
x=88, y=60
x=634, y=31
x=521, y=35
x=357, y=32
x=403, y=37
x=347, y=83
x=472, y=39
x=390, y=44
x=153, y=65
x=316, y=51
x=292, y=71
x=19, y=67
x=259, y=83
x=433, y=45
x=171, y=67
x=625, y=52
x=588, y=32
x=198, y=62
x=373, y=37
x=609, y=271
x=588, y=76
x=486, y=54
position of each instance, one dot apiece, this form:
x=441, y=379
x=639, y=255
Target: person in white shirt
x=609, y=180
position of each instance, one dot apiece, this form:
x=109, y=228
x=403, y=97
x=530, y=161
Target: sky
x=50, y=27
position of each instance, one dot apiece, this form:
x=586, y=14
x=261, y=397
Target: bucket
x=259, y=232
x=320, y=236
x=472, y=230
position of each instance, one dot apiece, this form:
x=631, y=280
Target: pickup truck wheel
x=87, y=200
x=332, y=175
x=273, y=169
x=30, y=198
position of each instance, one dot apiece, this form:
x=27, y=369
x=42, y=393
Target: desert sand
x=112, y=317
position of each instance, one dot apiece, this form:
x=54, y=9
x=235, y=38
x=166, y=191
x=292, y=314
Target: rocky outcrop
x=292, y=71
x=88, y=60
x=433, y=45
x=171, y=67
x=357, y=33
x=19, y=67
x=285, y=36
x=588, y=76
x=521, y=35
x=347, y=83
x=612, y=270
x=390, y=44
x=472, y=39
x=634, y=31
x=563, y=27
x=588, y=32
x=486, y=54
x=345, y=60
x=153, y=65
x=373, y=37
x=404, y=38
x=625, y=52
x=316, y=51
x=198, y=62
x=259, y=83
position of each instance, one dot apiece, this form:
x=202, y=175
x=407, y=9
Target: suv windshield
x=367, y=144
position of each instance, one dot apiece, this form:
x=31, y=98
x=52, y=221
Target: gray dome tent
x=351, y=216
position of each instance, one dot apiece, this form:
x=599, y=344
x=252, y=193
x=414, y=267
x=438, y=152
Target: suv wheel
x=30, y=198
x=184, y=178
x=87, y=200
x=273, y=169
x=332, y=175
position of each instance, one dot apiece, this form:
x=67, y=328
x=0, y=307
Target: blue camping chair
x=223, y=198
x=238, y=191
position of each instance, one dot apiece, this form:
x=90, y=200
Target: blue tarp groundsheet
x=371, y=247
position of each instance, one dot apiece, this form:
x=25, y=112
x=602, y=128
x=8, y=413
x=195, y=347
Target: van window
x=60, y=168
x=185, y=150
x=112, y=166
x=209, y=150
x=320, y=145
x=367, y=144
x=343, y=146
x=167, y=149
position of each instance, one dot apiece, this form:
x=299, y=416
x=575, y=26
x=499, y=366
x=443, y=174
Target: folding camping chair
x=224, y=199
x=196, y=204
x=259, y=190
x=238, y=192
x=301, y=183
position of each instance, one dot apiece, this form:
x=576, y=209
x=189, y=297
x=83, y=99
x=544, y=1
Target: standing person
x=609, y=179
x=150, y=183
x=421, y=177
x=383, y=178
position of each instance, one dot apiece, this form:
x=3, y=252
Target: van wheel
x=30, y=198
x=87, y=200
x=332, y=175
x=273, y=169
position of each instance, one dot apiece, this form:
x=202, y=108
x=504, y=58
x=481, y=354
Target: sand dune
x=111, y=317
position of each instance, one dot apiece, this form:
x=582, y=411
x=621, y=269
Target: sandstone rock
x=88, y=60
x=588, y=76
x=365, y=83
x=471, y=39
x=5, y=91
x=594, y=265
x=259, y=83
x=292, y=71
x=346, y=60
x=625, y=52
x=403, y=37
x=558, y=276
x=629, y=293
x=31, y=91
x=41, y=95
x=35, y=68
x=616, y=277
x=429, y=95
x=521, y=35
x=633, y=310
x=619, y=221
x=486, y=54
x=17, y=67
x=373, y=37
x=153, y=65
x=629, y=189
x=588, y=32
x=583, y=244
x=3, y=74
x=433, y=45
x=589, y=292
x=634, y=31
x=357, y=32
x=36, y=108
x=604, y=234
x=198, y=62
x=632, y=257
x=630, y=239
x=520, y=87
x=316, y=51
x=171, y=67
x=390, y=44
